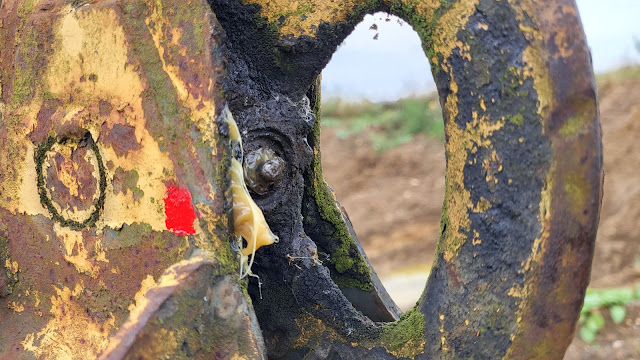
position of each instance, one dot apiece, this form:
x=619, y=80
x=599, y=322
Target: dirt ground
x=394, y=200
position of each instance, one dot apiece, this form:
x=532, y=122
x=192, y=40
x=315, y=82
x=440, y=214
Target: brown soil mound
x=394, y=200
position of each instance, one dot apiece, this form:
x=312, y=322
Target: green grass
x=600, y=301
x=388, y=124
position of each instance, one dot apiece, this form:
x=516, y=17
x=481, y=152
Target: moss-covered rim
x=39, y=158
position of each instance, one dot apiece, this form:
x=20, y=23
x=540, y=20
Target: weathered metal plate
x=113, y=174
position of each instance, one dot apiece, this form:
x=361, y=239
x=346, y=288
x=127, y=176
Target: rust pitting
x=122, y=138
x=80, y=171
x=45, y=120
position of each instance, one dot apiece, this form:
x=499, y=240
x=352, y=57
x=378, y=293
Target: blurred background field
x=383, y=153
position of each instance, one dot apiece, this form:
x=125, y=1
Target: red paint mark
x=179, y=211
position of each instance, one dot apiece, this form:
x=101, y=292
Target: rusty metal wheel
x=523, y=182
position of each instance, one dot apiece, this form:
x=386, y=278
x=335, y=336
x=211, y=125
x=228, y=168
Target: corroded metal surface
x=523, y=181
x=115, y=228
x=114, y=184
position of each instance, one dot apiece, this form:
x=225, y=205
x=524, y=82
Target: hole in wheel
x=385, y=159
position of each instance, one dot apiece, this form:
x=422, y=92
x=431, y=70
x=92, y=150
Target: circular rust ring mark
x=41, y=155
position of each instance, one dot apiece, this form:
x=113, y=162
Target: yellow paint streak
x=18, y=169
x=515, y=291
x=91, y=42
x=11, y=266
x=202, y=109
x=315, y=12
x=170, y=278
x=239, y=357
x=76, y=253
x=159, y=26
x=140, y=298
x=537, y=252
x=476, y=238
x=458, y=199
x=475, y=135
x=70, y=332
x=163, y=342
x=448, y=25
x=99, y=50
x=311, y=329
x=2, y=106
x=482, y=206
x=492, y=166
x=443, y=339
x=15, y=306
x=535, y=57
x=564, y=45
x=211, y=221
x=122, y=208
x=29, y=199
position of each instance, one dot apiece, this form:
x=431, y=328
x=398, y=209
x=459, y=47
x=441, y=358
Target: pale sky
x=394, y=65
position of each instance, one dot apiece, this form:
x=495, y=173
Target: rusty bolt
x=262, y=169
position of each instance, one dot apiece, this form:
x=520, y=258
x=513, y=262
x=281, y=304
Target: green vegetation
x=597, y=301
x=388, y=124
x=404, y=338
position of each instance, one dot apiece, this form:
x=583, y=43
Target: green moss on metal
x=169, y=255
x=130, y=181
x=192, y=20
x=301, y=9
x=26, y=68
x=25, y=7
x=11, y=278
x=366, y=7
x=352, y=270
x=405, y=337
x=517, y=119
x=4, y=249
x=133, y=234
x=573, y=126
